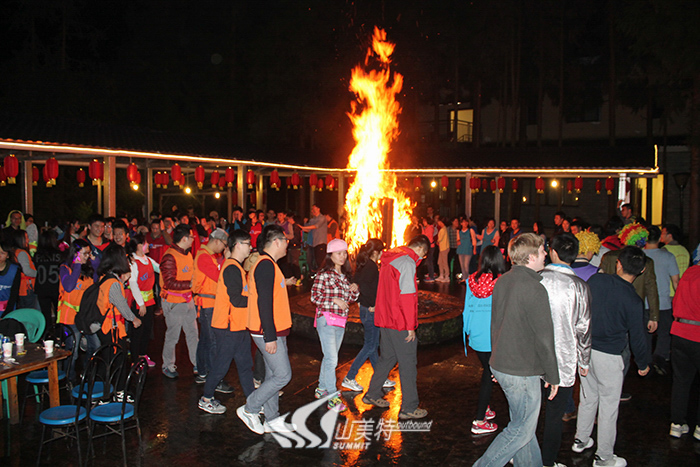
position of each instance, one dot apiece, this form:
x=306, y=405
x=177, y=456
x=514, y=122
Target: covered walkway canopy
x=35, y=140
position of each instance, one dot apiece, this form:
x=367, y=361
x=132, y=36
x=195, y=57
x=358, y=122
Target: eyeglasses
x=246, y=243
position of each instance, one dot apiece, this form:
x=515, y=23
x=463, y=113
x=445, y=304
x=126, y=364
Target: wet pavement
x=177, y=433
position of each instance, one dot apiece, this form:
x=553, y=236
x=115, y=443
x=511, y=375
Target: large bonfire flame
x=375, y=126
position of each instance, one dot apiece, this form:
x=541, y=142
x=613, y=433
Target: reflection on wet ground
x=177, y=433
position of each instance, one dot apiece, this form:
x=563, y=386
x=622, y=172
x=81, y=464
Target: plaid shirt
x=329, y=285
x=453, y=236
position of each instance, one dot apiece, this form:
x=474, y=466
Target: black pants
x=141, y=336
x=230, y=345
x=685, y=358
x=48, y=306
x=259, y=371
x=319, y=255
x=554, y=411
x=485, y=387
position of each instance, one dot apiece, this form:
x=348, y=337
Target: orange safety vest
x=26, y=285
x=329, y=235
x=185, y=269
x=146, y=280
x=280, y=300
x=69, y=302
x=203, y=287
x=109, y=311
x=226, y=315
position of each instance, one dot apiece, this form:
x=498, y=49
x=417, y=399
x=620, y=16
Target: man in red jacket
x=396, y=314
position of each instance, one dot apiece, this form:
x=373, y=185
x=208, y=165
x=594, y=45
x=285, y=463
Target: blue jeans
x=206, y=348
x=331, y=337
x=517, y=441
x=370, y=349
x=278, y=373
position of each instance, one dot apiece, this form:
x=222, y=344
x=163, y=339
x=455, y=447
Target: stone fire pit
x=439, y=318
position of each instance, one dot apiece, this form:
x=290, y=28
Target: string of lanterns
x=10, y=170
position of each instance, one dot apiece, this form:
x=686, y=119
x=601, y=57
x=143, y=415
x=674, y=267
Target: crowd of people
x=539, y=311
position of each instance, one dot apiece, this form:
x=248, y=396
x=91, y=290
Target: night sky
x=275, y=73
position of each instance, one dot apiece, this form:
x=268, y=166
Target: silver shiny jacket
x=569, y=300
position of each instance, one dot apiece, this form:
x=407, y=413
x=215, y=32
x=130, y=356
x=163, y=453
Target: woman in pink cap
x=332, y=294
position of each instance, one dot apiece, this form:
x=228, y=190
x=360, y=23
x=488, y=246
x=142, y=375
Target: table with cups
x=19, y=358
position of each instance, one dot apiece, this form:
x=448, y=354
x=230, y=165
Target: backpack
x=89, y=319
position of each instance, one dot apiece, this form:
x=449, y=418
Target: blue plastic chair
x=115, y=415
x=67, y=418
x=40, y=379
x=114, y=359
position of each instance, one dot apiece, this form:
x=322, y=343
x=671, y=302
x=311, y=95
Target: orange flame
x=375, y=126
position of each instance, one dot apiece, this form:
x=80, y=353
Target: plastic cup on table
x=19, y=339
x=7, y=350
x=48, y=347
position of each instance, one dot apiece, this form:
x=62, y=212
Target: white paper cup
x=48, y=346
x=19, y=339
x=7, y=349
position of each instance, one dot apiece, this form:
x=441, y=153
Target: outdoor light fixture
x=524, y=199
x=433, y=184
x=135, y=187
x=188, y=190
x=555, y=183
x=217, y=195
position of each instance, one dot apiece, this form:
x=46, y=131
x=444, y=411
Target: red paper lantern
x=514, y=183
x=94, y=171
x=445, y=182
x=131, y=172
x=250, y=177
x=215, y=178
x=319, y=184
x=176, y=174
x=288, y=180
x=11, y=168
x=199, y=176
x=484, y=184
x=80, y=176
x=330, y=182
x=52, y=170
x=493, y=186
x=222, y=183
x=610, y=185
x=47, y=178
x=229, y=177
x=458, y=185
x=598, y=186
x=417, y=183
x=35, y=175
x=539, y=185
x=3, y=177
x=164, y=179
x=275, y=180
x=296, y=180
x=313, y=180
x=569, y=186
x=578, y=184
x=157, y=178
x=501, y=184
x=474, y=184
x=181, y=183
x=137, y=180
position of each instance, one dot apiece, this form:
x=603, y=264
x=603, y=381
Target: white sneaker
x=352, y=385
x=678, y=430
x=696, y=433
x=580, y=446
x=389, y=383
x=614, y=462
x=278, y=425
x=251, y=420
